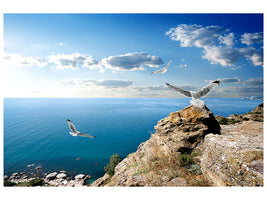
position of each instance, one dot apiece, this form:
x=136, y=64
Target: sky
x=113, y=55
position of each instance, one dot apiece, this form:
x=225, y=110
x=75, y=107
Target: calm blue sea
x=36, y=131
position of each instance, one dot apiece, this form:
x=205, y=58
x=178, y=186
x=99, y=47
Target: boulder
x=38, y=168
x=14, y=176
x=61, y=176
x=235, y=158
x=188, y=127
x=99, y=182
x=51, y=176
x=79, y=177
x=6, y=177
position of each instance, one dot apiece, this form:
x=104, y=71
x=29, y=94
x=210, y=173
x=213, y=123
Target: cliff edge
x=190, y=148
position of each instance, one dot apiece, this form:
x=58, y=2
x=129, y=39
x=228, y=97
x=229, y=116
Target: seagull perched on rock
x=196, y=95
x=75, y=132
x=163, y=70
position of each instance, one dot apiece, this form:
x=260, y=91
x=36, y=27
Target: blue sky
x=113, y=55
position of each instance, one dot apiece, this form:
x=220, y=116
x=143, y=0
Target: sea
x=36, y=132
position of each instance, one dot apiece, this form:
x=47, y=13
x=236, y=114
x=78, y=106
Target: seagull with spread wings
x=75, y=132
x=163, y=70
x=196, y=95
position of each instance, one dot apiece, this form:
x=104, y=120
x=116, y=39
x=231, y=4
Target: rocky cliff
x=190, y=148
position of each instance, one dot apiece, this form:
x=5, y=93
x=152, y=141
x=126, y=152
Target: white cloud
x=228, y=39
x=225, y=56
x=74, y=61
x=254, y=55
x=61, y=44
x=230, y=80
x=185, y=65
x=17, y=60
x=112, y=83
x=253, y=81
x=195, y=35
x=131, y=61
x=251, y=38
x=218, y=44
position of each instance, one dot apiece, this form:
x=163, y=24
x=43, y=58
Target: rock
x=255, y=115
x=79, y=177
x=235, y=158
x=156, y=163
x=38, y=168
x=14, y=176
x=61, y=176
x=227, y=155
x=63, y=171
x=51, y=176
x=64, y=182
x=99, y=182
x=179, y=181
x=6, y=177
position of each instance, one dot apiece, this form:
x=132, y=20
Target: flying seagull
x=196, y=95
x=75, y=132
x=163, y=70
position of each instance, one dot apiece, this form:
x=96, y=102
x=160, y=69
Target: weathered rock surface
x=61, y=176
x=51, y=176
x=155, y=163
x=229, y=155
x=235, y=158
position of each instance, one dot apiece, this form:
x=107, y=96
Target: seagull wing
x=163, y=70
x=205, y=90
x=181, y=91
x=85, y=135
x=72, y=127
x=168, y=64
x=158, y=71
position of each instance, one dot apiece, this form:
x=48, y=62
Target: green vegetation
x=185, y=160
x=36, y=182
x=9, y=183
x=225, y=121
x=114, y=160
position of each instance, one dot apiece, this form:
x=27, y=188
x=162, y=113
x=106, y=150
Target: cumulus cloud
x=17, y=60
x=131, y=61
x=195, y=35
x=225, y=56
x=254, y=55
x=73, y=61
x=113, y=83
x=228, y=39
x=251, y=38
x=218, y=44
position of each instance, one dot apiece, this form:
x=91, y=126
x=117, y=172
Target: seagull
x=75, y=132
x=163, y=70
x=196, y=95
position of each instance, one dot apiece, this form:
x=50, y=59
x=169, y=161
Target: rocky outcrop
x=255, y=115
x=235, y=158
x=226, y=155
x=156, y=161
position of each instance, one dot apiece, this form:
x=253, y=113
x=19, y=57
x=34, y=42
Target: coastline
x=68, y=179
